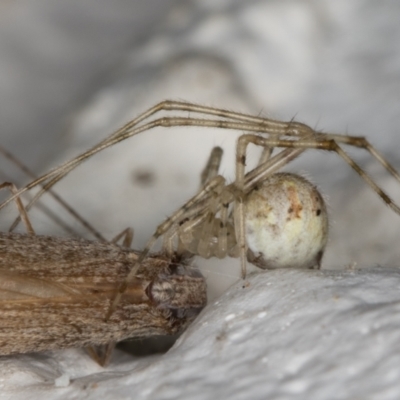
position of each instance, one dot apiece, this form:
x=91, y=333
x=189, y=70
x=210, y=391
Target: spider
x=213, y=222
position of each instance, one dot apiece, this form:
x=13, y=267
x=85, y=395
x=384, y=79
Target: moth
x=55, y=292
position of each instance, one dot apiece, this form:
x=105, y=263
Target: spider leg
x=56, y=197
x=190, y=230
x=210, y=171
x=222, y=248
x=204, y=244
x=307, y=143
x=204, y=247
x=21, y=209
x=212, y=167
x=265, y=155
x=235, y=121
x=168, y=241
x=127, y=235
x=189, y=238
x=363, y=143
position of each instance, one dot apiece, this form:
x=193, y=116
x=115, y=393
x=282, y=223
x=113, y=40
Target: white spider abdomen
x=286, y=223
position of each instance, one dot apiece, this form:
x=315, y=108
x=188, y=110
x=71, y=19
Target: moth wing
x=15, y=286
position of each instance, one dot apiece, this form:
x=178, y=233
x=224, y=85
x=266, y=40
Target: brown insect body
x=55, y=293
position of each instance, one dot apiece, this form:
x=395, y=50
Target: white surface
x=334, y=65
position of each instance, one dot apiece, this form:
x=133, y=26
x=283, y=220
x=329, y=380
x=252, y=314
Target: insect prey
x=224, y=219
x=55, y=292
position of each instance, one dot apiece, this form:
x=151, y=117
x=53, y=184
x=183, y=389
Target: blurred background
x=71, y=72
